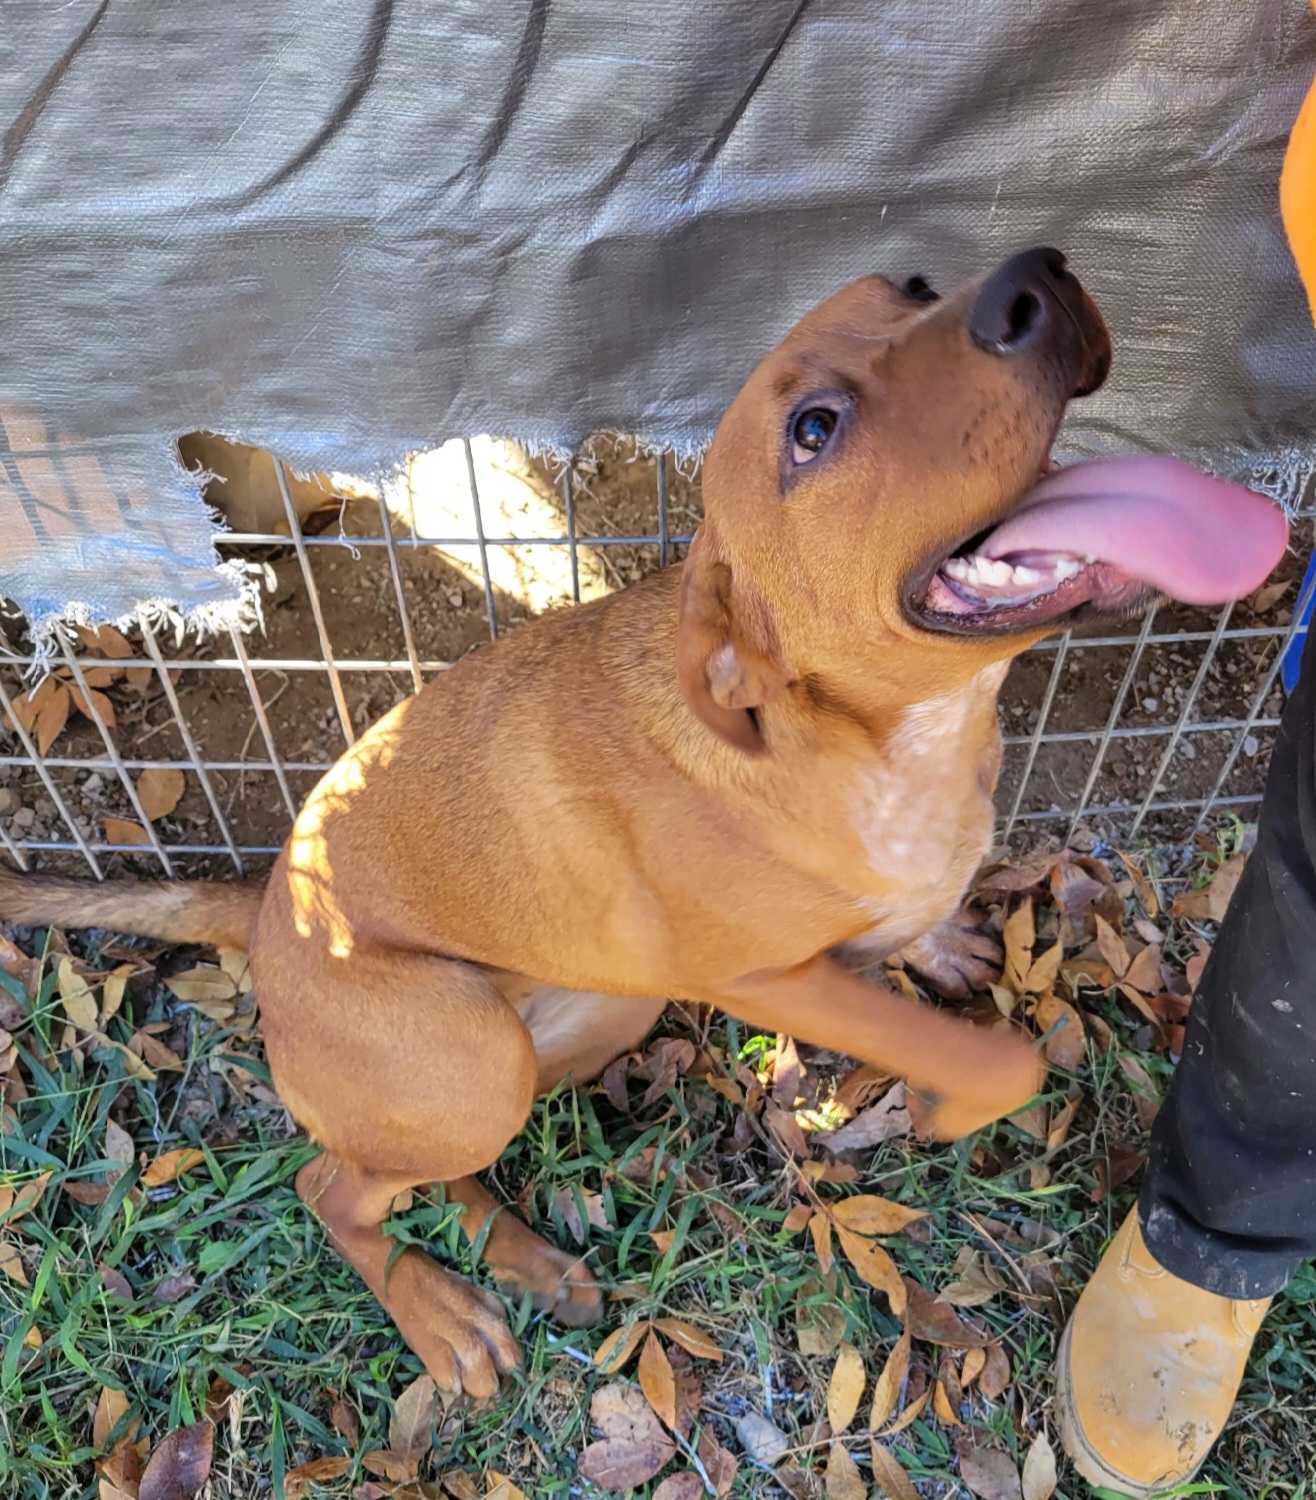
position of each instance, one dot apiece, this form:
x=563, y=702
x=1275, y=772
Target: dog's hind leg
x=408, y=1069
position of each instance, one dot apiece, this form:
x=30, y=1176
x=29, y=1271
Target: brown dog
x=729, y=784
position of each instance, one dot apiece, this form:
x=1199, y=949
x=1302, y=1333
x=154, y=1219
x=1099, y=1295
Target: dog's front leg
x=961, y=1076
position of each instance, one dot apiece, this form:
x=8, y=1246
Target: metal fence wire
x=1142, y=732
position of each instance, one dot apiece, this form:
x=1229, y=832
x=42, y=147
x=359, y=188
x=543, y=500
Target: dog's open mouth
x=1100, y=540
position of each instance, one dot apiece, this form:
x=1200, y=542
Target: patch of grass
x=219, y=1279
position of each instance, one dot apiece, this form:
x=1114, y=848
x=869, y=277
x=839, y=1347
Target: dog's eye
x=918, y=290
x=810, y=432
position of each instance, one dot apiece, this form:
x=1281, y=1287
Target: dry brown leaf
x=910, y=1414
x=797, y=1219
x=974, y=1362
x=25, y=1199
x=1061, y=1121
x=687, y=1486
x=820, y=1227
x=845, y=1389
x=567, y=1202
x=842, y=1480
x=89, y=1193
x=886, y=1120
x=1039, y=1478
x=1020, y=934
x=937, y=1322
x=411, y=1427
x=396, y=1467
x=875, y=1267
x=155, y=1053
x=113, y=990
x=171, y=1164
x=120, y=1471
x=690, y=1338
x=460, y=1485
x=719, y=1464
x=180, y=1466
x=93, y=705
x=113, y=1280
x=133, y=1064
x=52, y=718
x=786, y=1130
x=1145, y=889
x=995, y=1377
x=819, y=1326
x=1066, y=1046
x=975, y=1284
x=111, y=1407
x=1144, y=972
x=989, y=1472
x=1045, y=970
x=1212, y=901
x=28, y=706
x=634, y=1446
x=1111, y=946
x=890, y=1476
x=941, y=1405
x=502, y=1488
x=346, y=1422
x=118, y=1148
x=125, y=831
x=1032, y=1121
x=890, y=1383
x=657, y=1381
x=76, y=996
x=103, y=640
x=160, y=789
x=868, y=1214
x=614, y=1353
x=1265, y=599
x=316, y=1471
x=205, y=983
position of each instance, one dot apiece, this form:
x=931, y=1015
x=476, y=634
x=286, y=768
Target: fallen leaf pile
x=44, y=712
x=1094, y=965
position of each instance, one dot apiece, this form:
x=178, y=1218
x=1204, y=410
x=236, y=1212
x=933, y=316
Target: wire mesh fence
x=1144, y=731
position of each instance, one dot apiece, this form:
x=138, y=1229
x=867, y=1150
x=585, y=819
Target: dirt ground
x=615, y=494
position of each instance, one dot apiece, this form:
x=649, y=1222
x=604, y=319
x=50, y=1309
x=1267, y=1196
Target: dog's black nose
x=1034, y=300
x=1016, y=303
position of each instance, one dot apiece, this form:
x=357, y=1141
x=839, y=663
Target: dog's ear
x=728, y=659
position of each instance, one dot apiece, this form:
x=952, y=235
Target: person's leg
x=1229, y=1201
x=1151, y=1361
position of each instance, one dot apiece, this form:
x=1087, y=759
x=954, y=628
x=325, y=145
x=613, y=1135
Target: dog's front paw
x=956, y=958
x=559, y=1284
x=1002, y=1088
x=458, y=1331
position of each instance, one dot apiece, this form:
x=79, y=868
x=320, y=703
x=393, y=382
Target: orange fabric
x=1297, y=195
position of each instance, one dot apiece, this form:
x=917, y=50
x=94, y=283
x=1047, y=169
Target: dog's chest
x=923, y=815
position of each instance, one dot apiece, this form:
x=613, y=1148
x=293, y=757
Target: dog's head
x=876, y=501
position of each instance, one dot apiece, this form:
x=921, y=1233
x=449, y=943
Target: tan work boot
x=1148, y=1370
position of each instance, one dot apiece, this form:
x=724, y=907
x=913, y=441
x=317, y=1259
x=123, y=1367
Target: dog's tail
x=175, y=911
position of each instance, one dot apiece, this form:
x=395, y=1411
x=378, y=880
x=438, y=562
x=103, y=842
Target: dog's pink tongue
x=1195, y=538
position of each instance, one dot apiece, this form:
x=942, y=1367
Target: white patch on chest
x=924, y=814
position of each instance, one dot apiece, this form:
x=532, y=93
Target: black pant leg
x=1229, y=1201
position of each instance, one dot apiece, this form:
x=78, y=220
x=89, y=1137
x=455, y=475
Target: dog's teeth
x=994, y=572
x=1067, y=567
x=957, y=567
x=1024, y=576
